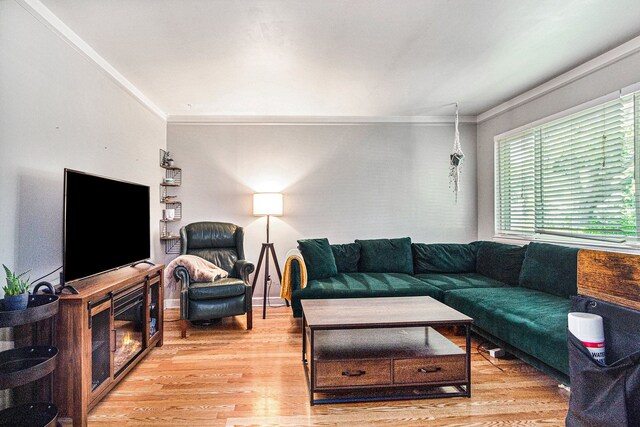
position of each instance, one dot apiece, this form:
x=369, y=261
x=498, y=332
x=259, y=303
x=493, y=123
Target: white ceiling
x=344, y=57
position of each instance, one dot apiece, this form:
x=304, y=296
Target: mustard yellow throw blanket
x=285, y=288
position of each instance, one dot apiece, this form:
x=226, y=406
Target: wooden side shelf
x=610, y=276
x=95, y=331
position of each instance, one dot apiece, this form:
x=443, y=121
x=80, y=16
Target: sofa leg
x=249, y=320
x=183, y=328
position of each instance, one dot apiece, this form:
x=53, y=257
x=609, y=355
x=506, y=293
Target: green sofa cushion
x=347, y=257
x=452, y=281
x=550, y=268
x=532, y=321
x=500, y=262
x=318, y=258
x=444, y=258
x=386, y=256
x=361, y=285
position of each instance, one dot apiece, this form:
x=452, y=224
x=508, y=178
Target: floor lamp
x=267, y=204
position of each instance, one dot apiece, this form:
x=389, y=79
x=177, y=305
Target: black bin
x=609, y=394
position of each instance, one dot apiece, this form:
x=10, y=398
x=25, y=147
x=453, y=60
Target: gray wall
x=339, y=181
x=59, y=110
x=601, y=82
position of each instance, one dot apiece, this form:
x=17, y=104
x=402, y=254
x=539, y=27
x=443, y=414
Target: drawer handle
x=353, y=374
x=429, y=370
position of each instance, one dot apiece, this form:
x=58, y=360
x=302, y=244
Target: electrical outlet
x=496, y=352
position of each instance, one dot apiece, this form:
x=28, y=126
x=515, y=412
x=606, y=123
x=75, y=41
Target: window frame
x=596, y=243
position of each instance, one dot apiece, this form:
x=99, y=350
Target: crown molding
x=313, y=120
x=581, y=107
x=51, y=21
x=589, y=67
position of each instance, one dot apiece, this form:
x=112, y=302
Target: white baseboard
x=256, y=302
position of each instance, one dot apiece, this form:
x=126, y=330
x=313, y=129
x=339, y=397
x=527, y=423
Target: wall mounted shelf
x=168, y=234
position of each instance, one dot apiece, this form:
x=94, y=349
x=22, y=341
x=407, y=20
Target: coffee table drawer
x=429, y=369
x=349, y=373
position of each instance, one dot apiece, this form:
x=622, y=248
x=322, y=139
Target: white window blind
x=573, y=177
x=515, y=213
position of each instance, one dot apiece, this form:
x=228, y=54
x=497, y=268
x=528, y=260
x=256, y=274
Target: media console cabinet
x=103, y=332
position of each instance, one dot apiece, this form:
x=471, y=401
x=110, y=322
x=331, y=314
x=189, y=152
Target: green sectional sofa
x=518, y=296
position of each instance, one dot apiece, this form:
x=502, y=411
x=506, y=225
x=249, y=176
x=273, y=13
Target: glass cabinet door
x=154, y=310
x=101, y=347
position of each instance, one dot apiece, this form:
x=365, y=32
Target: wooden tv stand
x=103, y=332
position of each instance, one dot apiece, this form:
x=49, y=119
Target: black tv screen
x=106, y=224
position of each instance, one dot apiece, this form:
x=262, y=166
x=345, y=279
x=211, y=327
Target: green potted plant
x=16, y=293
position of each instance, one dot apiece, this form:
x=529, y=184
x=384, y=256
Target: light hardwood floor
x=224, y=375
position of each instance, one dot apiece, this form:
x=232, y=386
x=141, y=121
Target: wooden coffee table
x=384, y=347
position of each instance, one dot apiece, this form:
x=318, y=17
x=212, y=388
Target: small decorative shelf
x=31, y=414
x=173, y=174
x=40, y=307
x=23, y=365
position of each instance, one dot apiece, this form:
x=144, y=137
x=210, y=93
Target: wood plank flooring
x=224, y=375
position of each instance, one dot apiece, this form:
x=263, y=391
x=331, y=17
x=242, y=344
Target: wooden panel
x=112, y=281
x=610, y=276
x=429, y=370
x=69, y=393
x=352, y=373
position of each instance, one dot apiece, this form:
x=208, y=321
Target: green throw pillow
x=347, y=257
x=318, y=258
x=550, y=268
x=386, y=256
x=500, y=262
x=444, y=258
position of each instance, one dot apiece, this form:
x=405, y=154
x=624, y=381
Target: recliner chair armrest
x=244, y=269
x=181, y=274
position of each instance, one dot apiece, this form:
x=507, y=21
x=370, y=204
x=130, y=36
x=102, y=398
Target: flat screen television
x=106, y=224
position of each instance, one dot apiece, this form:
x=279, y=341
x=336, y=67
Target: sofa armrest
x=181, y=275
x=244, y=269
x=295, y=275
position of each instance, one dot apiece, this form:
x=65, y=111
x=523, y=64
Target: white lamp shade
x=267, y=204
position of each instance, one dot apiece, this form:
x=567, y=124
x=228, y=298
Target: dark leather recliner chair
x=222, y=244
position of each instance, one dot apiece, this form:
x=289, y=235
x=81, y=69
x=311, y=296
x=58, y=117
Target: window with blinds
x=572, y=177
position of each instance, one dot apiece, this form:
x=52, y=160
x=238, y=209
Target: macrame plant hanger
x=455, y=160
